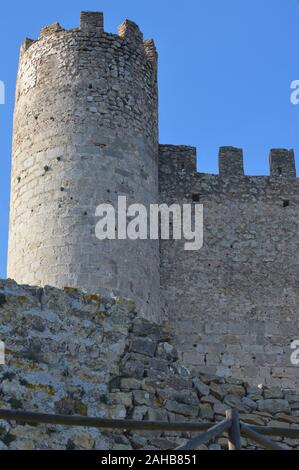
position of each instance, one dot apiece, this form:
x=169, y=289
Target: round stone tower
x=85, y=132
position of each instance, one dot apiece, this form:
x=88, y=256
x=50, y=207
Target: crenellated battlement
x=131, y=32
x=26, y=44
x=92, y=21
x=231, y=162
x=151, y=50
x=177, y=160
x=282, y=163
x=92, y=24
x=181, y=161
x=125, y=61
x=52, y=28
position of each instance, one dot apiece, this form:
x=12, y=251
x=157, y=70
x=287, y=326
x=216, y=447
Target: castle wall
x=234, y=304
x=85, y=132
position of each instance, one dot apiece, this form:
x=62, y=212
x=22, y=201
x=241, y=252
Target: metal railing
x=231, y=425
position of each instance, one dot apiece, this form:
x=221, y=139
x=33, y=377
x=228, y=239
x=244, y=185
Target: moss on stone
x=22, y=299
x=159, y=401
x=101, y=315
x=9, y=352
x=128, y=303
x=48, y=389
x=80, y=409
x=71, y=290
x=92, y=298
x=25, y=366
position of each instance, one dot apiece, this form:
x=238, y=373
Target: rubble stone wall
x=68, y=352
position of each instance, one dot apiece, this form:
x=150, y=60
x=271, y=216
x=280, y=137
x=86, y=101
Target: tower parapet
x=175, y=158
x=131, y=32
x=151, y=51
x=282, y=163
x=231, y=162
x=26, y=44
x=53, y=28
x=92, y=22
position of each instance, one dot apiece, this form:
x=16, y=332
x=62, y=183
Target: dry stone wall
x=73, y=353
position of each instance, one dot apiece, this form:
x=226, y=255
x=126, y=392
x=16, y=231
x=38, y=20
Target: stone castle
x=86, y=132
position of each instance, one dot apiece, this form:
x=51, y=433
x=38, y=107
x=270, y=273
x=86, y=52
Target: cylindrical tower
x=85, y=132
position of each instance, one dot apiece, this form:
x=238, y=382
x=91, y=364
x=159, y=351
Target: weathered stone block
x=206, y=412
x=130, y=384
x=200, y=387
x=273, y=406
x=181, y=409
x=144, y=346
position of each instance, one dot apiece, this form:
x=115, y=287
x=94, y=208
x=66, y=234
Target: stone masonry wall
x=85, y=132
x=69, y=352
x=233, y=305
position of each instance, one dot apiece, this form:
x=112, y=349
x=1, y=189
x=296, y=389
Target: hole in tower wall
x=279, y=169
x=286, y=203
x=195, y=197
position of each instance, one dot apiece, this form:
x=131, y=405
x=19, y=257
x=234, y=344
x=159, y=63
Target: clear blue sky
x=225, y=73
